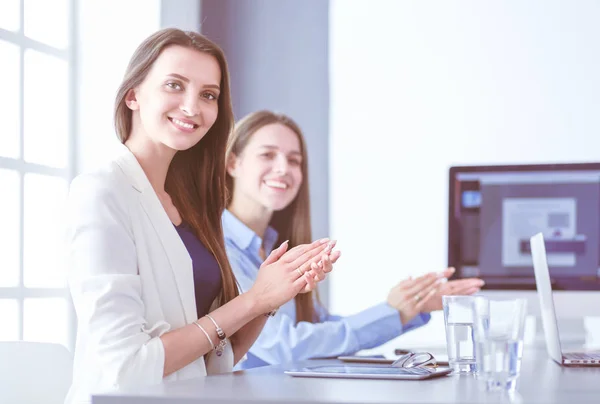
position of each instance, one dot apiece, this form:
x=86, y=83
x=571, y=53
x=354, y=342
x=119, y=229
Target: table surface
x=541, y=381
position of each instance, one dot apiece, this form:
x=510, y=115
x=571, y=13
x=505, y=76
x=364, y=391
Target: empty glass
x=458, y=319
x=498, y=328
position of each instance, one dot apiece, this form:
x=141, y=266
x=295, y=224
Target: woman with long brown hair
x=153, y=290
x=267, y=202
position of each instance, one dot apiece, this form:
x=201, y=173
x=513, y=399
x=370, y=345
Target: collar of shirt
x=244, y=237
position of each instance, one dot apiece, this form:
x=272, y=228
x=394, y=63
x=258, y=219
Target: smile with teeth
x=276, y=184
x=183, y=124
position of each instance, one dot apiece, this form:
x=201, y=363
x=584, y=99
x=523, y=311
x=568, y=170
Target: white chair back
x=34, y=372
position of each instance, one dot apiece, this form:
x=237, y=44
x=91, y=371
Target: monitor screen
x=494, y=210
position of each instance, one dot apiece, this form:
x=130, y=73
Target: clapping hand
x=466, y=286
x=284, y=273
x=424, y=294
x=318, y=271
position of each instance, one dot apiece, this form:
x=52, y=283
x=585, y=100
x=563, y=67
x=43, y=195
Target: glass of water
x=458, y=319
x=498, y=327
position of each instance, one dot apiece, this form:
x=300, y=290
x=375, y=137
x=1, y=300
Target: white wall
x=110, y=30
x=417, y=86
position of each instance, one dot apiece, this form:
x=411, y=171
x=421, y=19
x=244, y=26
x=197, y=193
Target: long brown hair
x=293, y=222
x=196, y=177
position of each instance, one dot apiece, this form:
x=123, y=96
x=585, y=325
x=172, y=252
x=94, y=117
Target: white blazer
x=131, y=280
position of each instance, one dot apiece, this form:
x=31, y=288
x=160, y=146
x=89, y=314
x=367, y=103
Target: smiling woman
x=154, y=293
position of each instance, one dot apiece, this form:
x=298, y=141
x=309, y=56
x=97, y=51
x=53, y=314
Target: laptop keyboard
x=583, y=356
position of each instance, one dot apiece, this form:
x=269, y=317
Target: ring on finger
x=299, y=271
x=417, y=297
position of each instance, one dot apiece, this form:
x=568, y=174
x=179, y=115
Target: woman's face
x=269, y=170
x=176, y=104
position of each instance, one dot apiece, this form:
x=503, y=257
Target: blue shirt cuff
x=418, y=321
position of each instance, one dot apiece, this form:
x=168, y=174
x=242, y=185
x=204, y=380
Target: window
x=37, y=156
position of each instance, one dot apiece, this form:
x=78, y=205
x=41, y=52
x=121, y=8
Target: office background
x=389, y=95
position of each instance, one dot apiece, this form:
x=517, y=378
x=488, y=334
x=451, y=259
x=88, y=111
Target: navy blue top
x=207, y=274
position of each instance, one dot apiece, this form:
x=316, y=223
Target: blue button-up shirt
x=282, y=340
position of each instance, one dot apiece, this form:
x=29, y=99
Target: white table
x=541, y=381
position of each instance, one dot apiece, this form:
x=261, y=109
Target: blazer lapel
x=177, y=254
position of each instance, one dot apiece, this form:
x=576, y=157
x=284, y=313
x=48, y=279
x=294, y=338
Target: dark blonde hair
x=196, y=177
x=293, y=222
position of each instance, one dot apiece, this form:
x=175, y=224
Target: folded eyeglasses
x=415, y=360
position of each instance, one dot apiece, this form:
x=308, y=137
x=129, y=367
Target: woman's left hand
x=467, y=286
x=318, y=272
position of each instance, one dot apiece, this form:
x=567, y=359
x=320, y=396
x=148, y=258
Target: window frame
x=22, y=167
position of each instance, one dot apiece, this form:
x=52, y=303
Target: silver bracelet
x=222, y=337
x=220, y=331
x=205, y=333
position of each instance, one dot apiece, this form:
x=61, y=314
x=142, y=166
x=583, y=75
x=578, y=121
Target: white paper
x=556, y=218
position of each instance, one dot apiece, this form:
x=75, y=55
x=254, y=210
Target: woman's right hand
x=285, y=273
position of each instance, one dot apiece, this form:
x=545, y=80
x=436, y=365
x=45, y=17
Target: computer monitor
x=495, y=209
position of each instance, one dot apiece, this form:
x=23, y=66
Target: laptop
x=549, y=322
